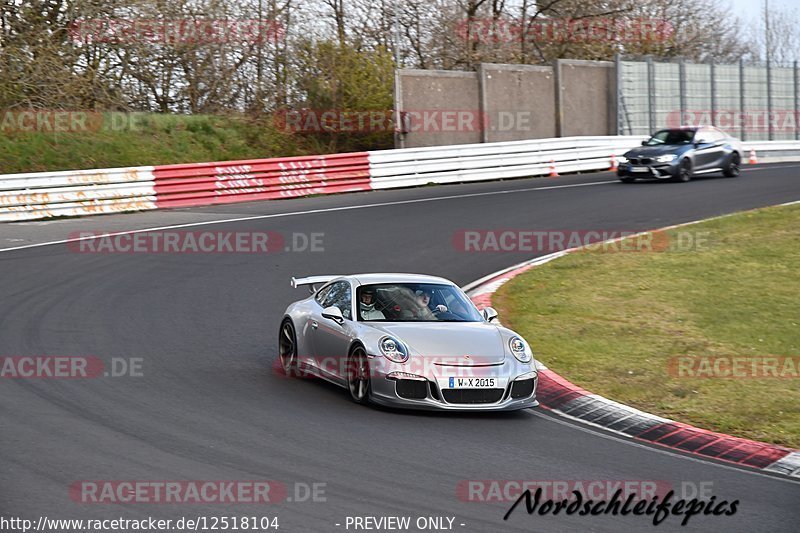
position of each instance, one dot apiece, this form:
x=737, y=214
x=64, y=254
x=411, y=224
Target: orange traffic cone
x=613, y=163
x=753, y=158
x=553, y=172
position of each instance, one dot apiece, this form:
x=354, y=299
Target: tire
x=358, y=382
x=627, y=180
x=733, y=168
x=287, y=347
x=684, y=170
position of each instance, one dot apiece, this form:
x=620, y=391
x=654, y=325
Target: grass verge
x=615, y=323
x=120, y=139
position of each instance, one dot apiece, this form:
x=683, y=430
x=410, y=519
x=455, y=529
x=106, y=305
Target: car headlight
x=393, y=350
x=669, y=158
x=520, y=349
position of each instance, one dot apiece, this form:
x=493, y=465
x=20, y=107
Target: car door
x=707, y=149
x=331, y=338
x=721, y=151
x=308, y=329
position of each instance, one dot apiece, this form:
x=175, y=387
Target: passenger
x=366, y=306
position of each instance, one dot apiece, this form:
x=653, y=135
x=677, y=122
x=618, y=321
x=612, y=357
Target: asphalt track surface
x=210, y=407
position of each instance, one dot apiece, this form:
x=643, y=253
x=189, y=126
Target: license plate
x=640, y=169
x=473, y=383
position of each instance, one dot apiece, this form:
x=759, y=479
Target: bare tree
x=44, y=62
x=776, y=35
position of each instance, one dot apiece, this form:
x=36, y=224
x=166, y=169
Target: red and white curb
x=560, y=395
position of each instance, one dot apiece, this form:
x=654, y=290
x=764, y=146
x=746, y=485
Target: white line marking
x=307, y=212
x=665, y=451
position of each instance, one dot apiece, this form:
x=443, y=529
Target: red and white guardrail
x=90, y=192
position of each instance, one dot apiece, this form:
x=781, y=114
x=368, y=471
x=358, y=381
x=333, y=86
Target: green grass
x=155, y=139
x=610, y=322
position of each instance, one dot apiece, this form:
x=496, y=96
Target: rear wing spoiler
x=311, y=281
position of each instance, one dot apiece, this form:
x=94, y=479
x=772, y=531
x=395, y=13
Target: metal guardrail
x=89, y=192
x=76, y=193
x=260, y=179
x=420, y=166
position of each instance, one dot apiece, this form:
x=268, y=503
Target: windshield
x=671, y=137
x=414, y=302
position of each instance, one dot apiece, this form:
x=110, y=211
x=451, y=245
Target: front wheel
x=684, y=171
x=358, y=375
x=627, y=180
x=733, y=168
x=287, y=347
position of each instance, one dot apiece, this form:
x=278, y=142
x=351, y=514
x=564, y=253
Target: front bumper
x=430, y=389
x=649, y=171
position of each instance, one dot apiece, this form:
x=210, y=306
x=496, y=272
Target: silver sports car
x=406, y=340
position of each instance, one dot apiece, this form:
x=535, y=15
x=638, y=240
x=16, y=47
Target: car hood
x=654, y=151
x=450, y=343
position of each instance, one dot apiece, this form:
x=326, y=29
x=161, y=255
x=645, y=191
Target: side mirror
x=644, y=143
x=489, y=314
x=333, y=313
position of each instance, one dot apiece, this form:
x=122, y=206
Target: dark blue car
x=678, y=154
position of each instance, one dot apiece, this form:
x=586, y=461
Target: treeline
x=259, y=57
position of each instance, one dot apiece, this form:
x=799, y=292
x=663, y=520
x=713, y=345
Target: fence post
x=713, y=67
x=796, y=103
x=559, y=96
x=618, y=88
x=742, y=131
x=682, y=87
x=770, y=126
x=482, y=104
x=399, y=137
x=651, y=97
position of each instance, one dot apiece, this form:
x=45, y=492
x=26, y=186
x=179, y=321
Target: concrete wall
x=442, y=107
x=506, y=103
x=518, y=102
x=588, y=97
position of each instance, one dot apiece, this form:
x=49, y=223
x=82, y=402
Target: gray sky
x=750, y=9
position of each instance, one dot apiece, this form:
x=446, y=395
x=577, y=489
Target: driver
x=366, y=305
x=422, y=299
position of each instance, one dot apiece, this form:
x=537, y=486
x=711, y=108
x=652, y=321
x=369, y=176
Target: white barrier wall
x=76, y=193
x=476, y=162
x=90, y=192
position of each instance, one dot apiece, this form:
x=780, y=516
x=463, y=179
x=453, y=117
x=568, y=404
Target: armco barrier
x=475, y=162
x=76, y=193
x=260, y=179
x=88, y=192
